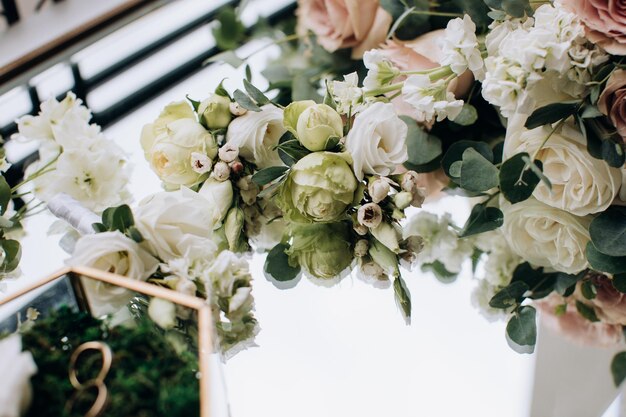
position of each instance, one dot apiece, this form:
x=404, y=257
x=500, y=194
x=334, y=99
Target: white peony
x=347, y=93
x=256, y=134
x=430, y=99
x=581, y=184
x=169, y=142
x=172, y=222
x=441, y=243
x=377, y=141
x=111, y=252
x=459, y=47
x=16, y=368
x=546, y=236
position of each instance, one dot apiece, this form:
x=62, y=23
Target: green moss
x=147, y=378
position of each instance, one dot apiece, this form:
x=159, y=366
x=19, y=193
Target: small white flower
x=430, y=99
x=200, y=162
x=370, y=215
x=228, y=153
x=378, y=189
x=347, y=93
x=221, y=171
x=460, y=47
x=380, y=70
x=360, y=248
x=505, y=85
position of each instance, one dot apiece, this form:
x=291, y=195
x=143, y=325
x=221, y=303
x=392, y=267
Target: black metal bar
x=10, y=11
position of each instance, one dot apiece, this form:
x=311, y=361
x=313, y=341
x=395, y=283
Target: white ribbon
x=66, y=208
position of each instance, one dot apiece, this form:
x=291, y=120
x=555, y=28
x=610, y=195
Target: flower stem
x=41, y=171
x=386, y=89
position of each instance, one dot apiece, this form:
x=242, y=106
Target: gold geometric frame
x=205, y=322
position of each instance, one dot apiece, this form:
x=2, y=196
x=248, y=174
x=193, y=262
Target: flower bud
x=316, y=125
x=372, y=269
x=360, y=229
x=403, y=199
x=215, y=112
x=386, y=234
x=233, y=228
x=162, y=312
x=384, y=257
x=221, y=171
x=419, y=196
x=370, y=215
x=236, y=167
x=378, y=190
x=237, y=110
x=361, y=247
x=409, y=181
x=201, y=163
x=228, y=152
x=414, y=244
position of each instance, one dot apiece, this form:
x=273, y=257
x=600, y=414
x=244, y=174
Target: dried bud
x=409, y=181
x=403, y=199
x=419, y=195
x=221, y=171
x=372, y=269
x=361, y=247
x=414, y=244
x=360, y=229
x=201, y=163
x=370, y=215
x=408, y=257
x=237, y=110
x=249, y=196
x=236, y=167
x=228, y=152
x=378, y=190
x=244, y=183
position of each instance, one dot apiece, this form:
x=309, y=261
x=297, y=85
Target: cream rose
x=116, y=253
x=546, y=236
x=581, y=184
x=357, y=24
x=16, y=367
x=170, y=141
x=256, y=134
x=171, y=222
x=377, y=141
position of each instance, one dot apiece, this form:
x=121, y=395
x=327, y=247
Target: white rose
x=219, y=194
x=256, y=134
x=16, y=368
x=546, y=236
x=162, y=312
x=169, y=142
x=116, y=253
x=171, y=222
x=581, y=184
x=377, y=141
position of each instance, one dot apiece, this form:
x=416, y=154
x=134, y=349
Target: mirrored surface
x=345, y=350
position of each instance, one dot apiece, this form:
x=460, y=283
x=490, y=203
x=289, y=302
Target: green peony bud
x=317, y=125
x=292, y=113
x=319, y=188
x=215, y=112
x=323, y=250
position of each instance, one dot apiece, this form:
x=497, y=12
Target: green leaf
x=221, y=91
x=194, y=103
x=509, y=296
x=605, y=263
x=456, y=150
x=422, y=147
x=586, y=311
x=588, y=290
x=12, y=254
x=590, y=112
x=403, y=298
x=255, y=93
x=5, y=195
x=467, y=117
x=135, y=234
x=613, y=153
x=228, y=57
x=245, y=101
x=619, y=282
x=535, y=166
x=99, y=227
x=476, y=255
x=566, y=282
x=517, y=180
x=230, y=31
x=267, y=175
x=521, y=330
x=290, y=150
x=248, y=73
x=277, y=264
x=618, y=368
x=608, y=231
x=477, y=173
x=440, y=272
x=551, y=113
x=482, y=219
x=560, y=310
x=118, y=218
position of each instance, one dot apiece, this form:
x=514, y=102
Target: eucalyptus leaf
x=267, y=175
x=5, y=195
x=255, y=93
x=439, y=270
x=277, y=264
x=608, y=231
x=456, y=150
x=566, y=282
x=467, y=117
x=517, y=180
x=118, y=218
x=229, y=31
x=422, y=147
x=588, y=290
x=605, y=263
x=482, y=219
x=12, y=255
x=618, y=368
x=587, y=311
x=551, y=113
x=477, y=173
x=613, y=153
x=534, y=167
x=521, y=330
x=509, y=296
x=245, y=101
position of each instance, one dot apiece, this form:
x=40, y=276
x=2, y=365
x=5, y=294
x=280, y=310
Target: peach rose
x=358, y=24
x=574, y=326
x=422, y=53
x=612, y=101
x=604, y=20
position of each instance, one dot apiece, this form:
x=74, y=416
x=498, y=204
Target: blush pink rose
x=574, y=326
x=358, y=24
x=605, y=22
x=612, y=101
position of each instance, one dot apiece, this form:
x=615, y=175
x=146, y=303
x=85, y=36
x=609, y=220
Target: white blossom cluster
x=74, y=156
